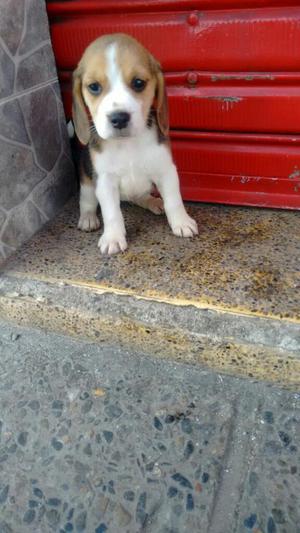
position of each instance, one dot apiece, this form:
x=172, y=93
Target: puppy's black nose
x=119, y=119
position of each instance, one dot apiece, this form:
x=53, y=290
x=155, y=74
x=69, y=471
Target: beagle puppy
x=120, y=114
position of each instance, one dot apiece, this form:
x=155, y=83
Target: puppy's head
x=118, y=80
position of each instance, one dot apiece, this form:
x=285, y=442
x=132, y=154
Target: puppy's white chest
x=128, y=161
x=134, y=182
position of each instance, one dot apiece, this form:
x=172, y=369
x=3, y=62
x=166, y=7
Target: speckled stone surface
x=148, y=299
x=97, y=438
x=274, y=471
x=243, y=260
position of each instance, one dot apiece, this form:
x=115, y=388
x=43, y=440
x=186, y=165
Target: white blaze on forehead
x=113, y=72
x=118, y=98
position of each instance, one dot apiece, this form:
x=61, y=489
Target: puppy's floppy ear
x=162, y=111
x=80, y=116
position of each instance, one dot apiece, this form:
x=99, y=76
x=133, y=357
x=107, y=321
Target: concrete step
x=228, y=299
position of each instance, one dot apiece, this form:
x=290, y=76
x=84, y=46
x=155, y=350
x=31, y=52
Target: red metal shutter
x=233, y=77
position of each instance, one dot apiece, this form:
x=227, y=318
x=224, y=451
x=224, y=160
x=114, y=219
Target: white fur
x=119, y=98
x=127, y=167
x=126, y=170
x=88, y=203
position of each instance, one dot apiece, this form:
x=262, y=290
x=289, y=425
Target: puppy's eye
x=95, y=88
x=138, y=85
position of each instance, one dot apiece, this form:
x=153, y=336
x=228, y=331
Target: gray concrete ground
x=96, y=438
x=228, y=299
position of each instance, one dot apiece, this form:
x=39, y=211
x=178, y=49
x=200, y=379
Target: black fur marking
x=152, y=120
x=161, y=137
x=86, y=162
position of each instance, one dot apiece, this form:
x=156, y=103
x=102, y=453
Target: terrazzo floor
x=244, y=260
x=99, y=439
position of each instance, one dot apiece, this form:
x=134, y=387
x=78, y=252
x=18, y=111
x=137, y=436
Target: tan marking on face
x=94, y=70
x=134, y=61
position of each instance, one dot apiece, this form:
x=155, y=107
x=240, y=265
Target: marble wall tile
x=12, y=23
x=41, y=117
x=22, y=222
x=37, y=68
x=7, y=74
x=19, y=173
x=36, y=170
x=51, y=194
x=12, y=122
x=36, y=26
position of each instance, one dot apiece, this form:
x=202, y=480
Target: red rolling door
x=233, y=77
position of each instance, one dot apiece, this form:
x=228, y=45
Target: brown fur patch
x=134, y=61
x=86, y=166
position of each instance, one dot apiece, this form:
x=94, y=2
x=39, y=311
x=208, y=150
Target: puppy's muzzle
x=119, y=119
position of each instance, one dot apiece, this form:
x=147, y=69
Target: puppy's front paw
x=112, y=243
x=184, y=226
x=88, y=222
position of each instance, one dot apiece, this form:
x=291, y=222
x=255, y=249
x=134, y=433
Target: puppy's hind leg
x=88, y=203
x=155, y=205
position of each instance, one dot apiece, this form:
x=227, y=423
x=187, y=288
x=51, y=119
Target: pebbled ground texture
x=97, y=438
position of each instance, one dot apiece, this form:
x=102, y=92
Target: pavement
x=155, y=391
x=98, y=438
x=228, y=299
